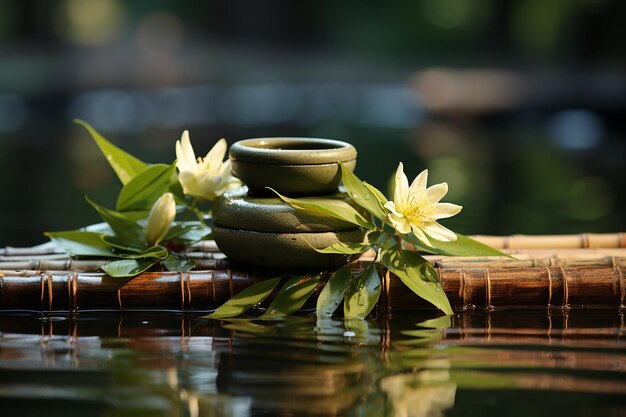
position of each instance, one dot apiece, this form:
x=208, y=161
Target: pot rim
x=292, y=151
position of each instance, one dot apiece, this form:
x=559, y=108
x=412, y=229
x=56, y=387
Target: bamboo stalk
x=89, y=265
x=467, y=288
x=579, y=241
x=216, y=260
x=527, y=261
x=576, y=241
x=42, y=249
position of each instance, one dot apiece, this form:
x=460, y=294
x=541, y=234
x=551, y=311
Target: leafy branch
x=141, y=232
x=400, y=253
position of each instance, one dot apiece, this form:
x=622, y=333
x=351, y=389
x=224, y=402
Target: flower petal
x=208, y=185
x=391, y=206
x=400, y=223
x=181, y=162
x=214, y=158
x=418, y=186
x=185, y=153
x=445, y=210
x=436, y=192
x=227, y=184
x=188, y=181
x=401, y=190
x=438, y=232
x=421, y=236
x=226, y=169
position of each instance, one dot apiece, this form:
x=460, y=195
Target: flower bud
x=160, y=219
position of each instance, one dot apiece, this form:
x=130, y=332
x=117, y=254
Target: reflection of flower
x=206, y=178
x=160, y=219
x=423, y=394
x=417, y=208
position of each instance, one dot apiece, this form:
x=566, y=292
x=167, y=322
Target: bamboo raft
x=548, y=272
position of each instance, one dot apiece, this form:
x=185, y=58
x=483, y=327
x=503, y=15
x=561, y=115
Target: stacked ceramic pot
x=252, y=226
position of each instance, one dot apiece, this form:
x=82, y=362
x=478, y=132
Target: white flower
x=207, y=178
x=160, y=219
x=417, y=208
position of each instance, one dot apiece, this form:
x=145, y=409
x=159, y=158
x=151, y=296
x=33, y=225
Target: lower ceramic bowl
x=283, y=250
x=237, y=210
x=294, y=166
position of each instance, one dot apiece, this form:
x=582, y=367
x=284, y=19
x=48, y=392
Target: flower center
x=418, y=212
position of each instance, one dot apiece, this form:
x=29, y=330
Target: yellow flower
x=417, y=208
x=160, y=219
x=208, y=178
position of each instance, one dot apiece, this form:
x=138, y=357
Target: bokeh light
x=517, y=105
x=90, y=22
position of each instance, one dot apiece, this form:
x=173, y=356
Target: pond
x=482, y=363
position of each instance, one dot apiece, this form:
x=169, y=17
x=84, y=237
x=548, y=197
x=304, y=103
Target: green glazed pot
x=283, y=250
x=294, y=166
x=265, y=231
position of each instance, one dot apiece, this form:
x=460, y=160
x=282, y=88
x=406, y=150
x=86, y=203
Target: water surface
x=499, y=363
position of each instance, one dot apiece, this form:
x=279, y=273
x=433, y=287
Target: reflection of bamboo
x=571, y=384
x=524, y=359
x=474, y=287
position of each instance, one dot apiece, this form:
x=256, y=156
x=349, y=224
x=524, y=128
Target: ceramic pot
x=283, y=250
x=265, y=231
x=294, y=166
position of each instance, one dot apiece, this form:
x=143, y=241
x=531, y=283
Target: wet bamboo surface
x=41, y=279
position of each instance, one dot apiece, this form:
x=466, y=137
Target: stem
x=198, y=213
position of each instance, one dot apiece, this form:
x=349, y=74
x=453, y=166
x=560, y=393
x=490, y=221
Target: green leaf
x=175, y=263
x=408, y=266
x=291, y=296
x=121, y=244
x=124, y=164
x=378, y=195
x=346, y=213
x=127, y=267
x=188, y=232
x=245, y=299
x=145, y=188
x=129, y=231
x=462, y=246
x=362, y=294
x=78, y=243
x=332, y=294
x=361, y=194
x=155, y=252
x=345, y=248
x=177, y=190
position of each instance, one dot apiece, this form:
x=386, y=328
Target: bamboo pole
x=554, y=287
x=40, y=279
x=579, y=241
x=208, y=262
x=575, y=241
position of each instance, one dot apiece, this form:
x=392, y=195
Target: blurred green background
x=518, y=105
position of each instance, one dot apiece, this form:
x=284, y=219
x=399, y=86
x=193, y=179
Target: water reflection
x=167, y=364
